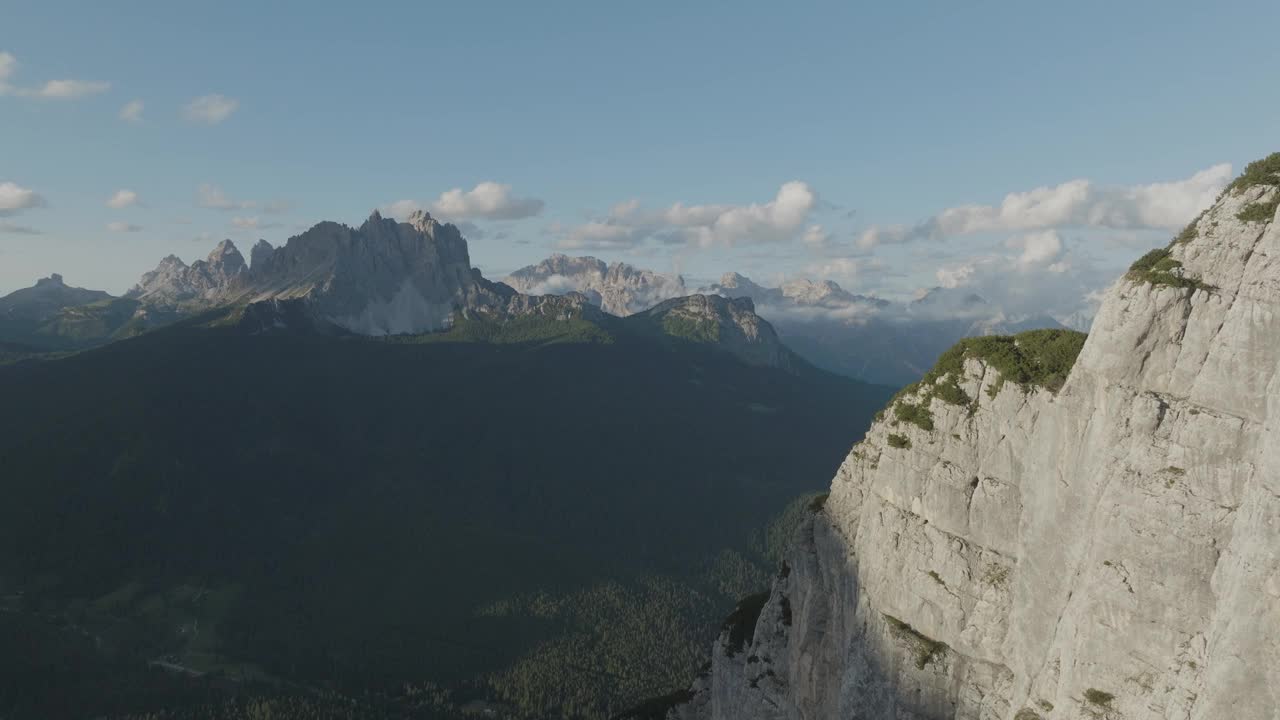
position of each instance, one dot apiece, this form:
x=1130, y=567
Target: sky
x=1029, y=151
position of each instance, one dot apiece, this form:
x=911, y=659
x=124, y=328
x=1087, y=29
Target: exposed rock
x=173, y=282
x=43, y=300
x=862, y=336
x=260, y=255
x=381, y=278
x=730, y=324
x=1111, y=550
x=618, y=288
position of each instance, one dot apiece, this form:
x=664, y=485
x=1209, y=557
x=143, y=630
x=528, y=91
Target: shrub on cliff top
x=1040, y=358
x=1259, y=172
x=1158, y=268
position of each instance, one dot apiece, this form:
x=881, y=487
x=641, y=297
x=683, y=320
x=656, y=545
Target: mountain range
x=860, y=336
x=353, y=478
x=387, y=278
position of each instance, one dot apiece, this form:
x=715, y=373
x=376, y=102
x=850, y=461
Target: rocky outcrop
x=798, y=293
x=618, y=288
x=997, y=550
x=729, y=324
x=173, y=282
x=42, y=301
x=381, y=278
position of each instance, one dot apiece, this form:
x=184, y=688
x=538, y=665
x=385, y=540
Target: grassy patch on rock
x=925, y=649
x=1158, y=268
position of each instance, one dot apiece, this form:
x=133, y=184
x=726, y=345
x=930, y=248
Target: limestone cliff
x=1010, y=542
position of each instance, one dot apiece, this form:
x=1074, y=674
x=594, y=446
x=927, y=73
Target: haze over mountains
x=386, y=277
x=865, y=337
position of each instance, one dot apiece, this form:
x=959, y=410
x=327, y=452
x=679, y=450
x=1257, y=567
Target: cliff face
x=1007, y=552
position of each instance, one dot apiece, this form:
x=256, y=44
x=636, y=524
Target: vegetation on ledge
x=924, y=648
x=741, y=623
x=918, y=415
x=1035, y=358
x=692, y=329
x=899, y=441
x=1158, y=268
x=1259, y=172
x=1260, y=211
x=1098, y=697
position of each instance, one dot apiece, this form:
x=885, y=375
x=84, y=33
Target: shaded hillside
x=344, y=513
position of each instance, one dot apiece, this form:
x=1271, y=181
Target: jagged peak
x=54, y=280
x=422, y=221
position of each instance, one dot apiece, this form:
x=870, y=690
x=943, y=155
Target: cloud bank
x=628, y=225
x=14, y=198
x=210, y=109
x=52, y=89
x=1077, y=203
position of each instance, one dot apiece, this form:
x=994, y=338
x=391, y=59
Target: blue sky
x=659, y=133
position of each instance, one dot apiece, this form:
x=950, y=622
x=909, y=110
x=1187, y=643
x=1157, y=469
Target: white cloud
x=213, y=197
x=123, y=199
x=210, y=109
x=487, y=200
x=13, y=229
x=251, y=223
x=628, y=225
x=1038, y=249
x=601, y=236
x=844, y=270
x=402, y=209
x=132, y=111
x=68, y=89
x=956, y=275
x=15, y=198
x=816, y=237
x=774, y=221
x=122, y=227
x=1077, y=203
x=52, y=89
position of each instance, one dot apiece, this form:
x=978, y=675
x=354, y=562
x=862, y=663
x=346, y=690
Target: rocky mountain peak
x=618, y=288
x=260, y=254
x=226, y=260
x=421, y=221
x=728, y=323
x=44, y=299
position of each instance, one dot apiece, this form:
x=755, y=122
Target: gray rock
x=1108, y=551
x=381, y=278
x=618, y=288
x=730, y=324
x=46, y=298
